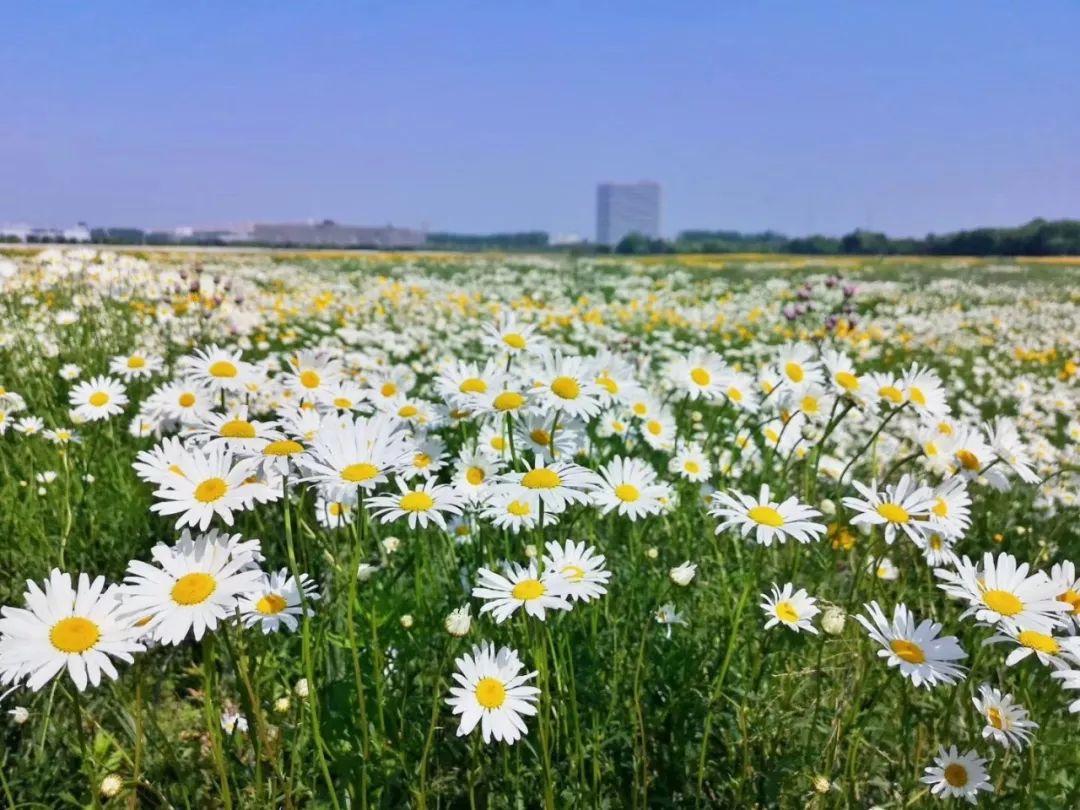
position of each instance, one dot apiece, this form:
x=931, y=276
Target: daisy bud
x=458, y=622
x=391, y=544
x=822, y=785
x=832, y=622
x=828, y=507
x=41, y=491
x=301, y=689
x=282, y=704
x=652, y=552
x=406, y=621
x=530, y=551
x=683, y=574
x=19, y=715
x=111, y=785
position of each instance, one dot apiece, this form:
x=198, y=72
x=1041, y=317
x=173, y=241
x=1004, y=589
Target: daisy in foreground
x=769, y=520
x=276, y=601
x=794, y=609
x=1007, y=721
x=79, y=629
x=956, y=775
x=1003, y=592
x=581, y=568
x=492, y=693
x=207, y=483
x=522, y=587
x=906, y=506
x=924, y=657
x=194, y=585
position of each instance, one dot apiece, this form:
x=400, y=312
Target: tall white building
x=625, y=208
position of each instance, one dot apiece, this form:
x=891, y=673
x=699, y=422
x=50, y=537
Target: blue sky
x=480, y=116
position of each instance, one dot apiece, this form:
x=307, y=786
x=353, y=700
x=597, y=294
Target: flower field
x=350, y=531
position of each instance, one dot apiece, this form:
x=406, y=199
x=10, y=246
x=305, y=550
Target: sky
x=908, y=117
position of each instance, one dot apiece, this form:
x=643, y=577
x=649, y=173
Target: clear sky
x=904, y=116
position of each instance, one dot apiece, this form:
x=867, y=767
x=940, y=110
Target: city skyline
x=813, y=119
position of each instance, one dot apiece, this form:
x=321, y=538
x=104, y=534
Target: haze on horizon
x=818, y=117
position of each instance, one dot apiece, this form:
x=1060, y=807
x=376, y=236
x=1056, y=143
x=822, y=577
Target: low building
x=332, y=234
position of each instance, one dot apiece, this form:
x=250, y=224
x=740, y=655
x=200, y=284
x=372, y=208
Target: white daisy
x=1007, y=721
x=921, y=654
x=769, y=520
x=275, y=601
x=97, y=398
x=492, y=693
x=520, y=588
x=906, y=506
x=628, y=486
x=956, y=775
x=581, y=568
x=794, y=609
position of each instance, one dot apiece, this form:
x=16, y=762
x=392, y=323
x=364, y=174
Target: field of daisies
x=286, y=531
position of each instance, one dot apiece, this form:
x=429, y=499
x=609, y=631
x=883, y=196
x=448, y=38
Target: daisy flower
x=565, y=385
x=493, y=693
x=921, y=654
x=334, y=514
x=691, y=463
x=658, y=430
x=61, y=436
x=1002, y=592
x=216, y=368
x=956, y=775
x=193, y=586
x=310, y=373
x=797, y=366
x=628, y=486
x=884, y=387
x=97, y=398
x=1066, y=582
x=513, y=337
x=348, y=454
x=952, y=507
x=769, y=520
x=1006, y=444
x=1007, y=721
x=473, y=476
x=905, y=506
x=183, y=401
x=459, y=382
x=794, y=609
x=669, y=616
x=1045, y=647
x=80, y=629
x=923, y=389
x=520, y=588
x=234, y=431
x=506, y=511
x=700, y=375
x=556, y=485
x=841, y=374
x=207, y=483
x=581, y=568
x=425, y=502
x=135, y=366
x=275, y=601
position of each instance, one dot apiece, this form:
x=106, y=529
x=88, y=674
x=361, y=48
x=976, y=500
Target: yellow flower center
x=916, y=395
x=508, y=401
x=1073, y=598
x=1040, y=642
x=407, y=411
x=498, y=443
x=847, y=380
x=136, y=362
x=210, y=490
x=691, y=467
x=237, y=429
x=766, y=516
x=700, y=376
x=968, y=459
x=654, y=427
x=388, y=389
x=337, y=509
x=187, y=399
x=908, y=651
x=891, y=393
x=490, y=693
x=193, y=589
x=473, y=385
x=528, y=589
x=74, y=635
x=475, y=476
x=418, y=501
x=809, y=404
x=785, y=611
x=565, y=388
x=518, y=508
x=514, y=340
x=627, y=492
x=894, y=513
x=422, y=461
x=541, y=437
x=271, y=604
x=794, y=371
x=993, y=714
x=735, y=395
x=956, y=775
x=283, y=447
x=358, y=473
x=342, y=402
x=99, y=398
x=1003, y=602
x=310, y=379
x=223, y=368
x=541, y=478
x=639, y=408
x=572, y=573
x=608, y=384
x=941, y=508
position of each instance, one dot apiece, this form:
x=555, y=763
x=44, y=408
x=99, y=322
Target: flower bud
x=832, y=621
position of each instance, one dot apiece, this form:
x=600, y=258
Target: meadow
x=494, y=531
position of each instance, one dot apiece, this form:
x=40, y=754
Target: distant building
x=626, y=208
x=332, y=234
